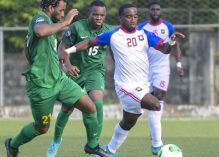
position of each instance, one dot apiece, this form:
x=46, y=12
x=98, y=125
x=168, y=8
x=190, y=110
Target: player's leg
x=61, y=122
x=88, y=109
x=97, y=97
x=71, y=93
x=159, y=85
x=94, y=85
x=154, y=123
x=121, y=131
x=42, y=102
x=130, y=97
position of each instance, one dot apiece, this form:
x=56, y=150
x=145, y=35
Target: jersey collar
x=126, y=31
x=156, y=23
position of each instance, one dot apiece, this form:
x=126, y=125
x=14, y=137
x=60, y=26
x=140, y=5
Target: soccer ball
x=170, y=150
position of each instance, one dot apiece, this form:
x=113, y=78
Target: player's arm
x=25, y=50
x=41, y=28
x=81, y=46
x=101, y=39
x=178, y=55
x=65, y=64
x=166, y=46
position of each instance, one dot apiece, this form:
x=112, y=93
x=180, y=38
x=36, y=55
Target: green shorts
x=42, y=100
x=93, y=80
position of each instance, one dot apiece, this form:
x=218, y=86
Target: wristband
x=71, y=50
x=171, y=42
x=179, y=65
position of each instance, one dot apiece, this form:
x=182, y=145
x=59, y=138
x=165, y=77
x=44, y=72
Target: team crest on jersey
x=141, y=37
x=138, y=89
x=162, y=31
x=67, y=32
x=40, y=20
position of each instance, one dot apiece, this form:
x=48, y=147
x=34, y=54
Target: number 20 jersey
x=130, y=53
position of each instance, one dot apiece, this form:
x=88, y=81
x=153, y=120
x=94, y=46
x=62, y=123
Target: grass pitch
x=196, y=138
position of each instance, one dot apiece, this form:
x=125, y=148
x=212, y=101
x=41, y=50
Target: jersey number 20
x=131, y=42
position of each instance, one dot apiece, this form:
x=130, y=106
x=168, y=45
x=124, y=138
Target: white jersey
x=130, y=53
x=163, y=30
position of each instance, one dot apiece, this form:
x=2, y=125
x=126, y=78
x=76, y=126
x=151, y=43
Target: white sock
x=118, y=138
x=154, y=123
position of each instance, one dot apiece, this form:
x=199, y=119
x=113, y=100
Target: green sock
x=91, y=124
x=61, y=122
x=26, y=134
x=99, y=106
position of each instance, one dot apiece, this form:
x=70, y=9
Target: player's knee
x=86, y=105
x=42, y=129
x=159, y=94
x=91, y=108
x=157, y=106
x=127, y=125
x=67, y=108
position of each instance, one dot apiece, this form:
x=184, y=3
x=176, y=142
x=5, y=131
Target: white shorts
x=159, y=77
x=130, y=96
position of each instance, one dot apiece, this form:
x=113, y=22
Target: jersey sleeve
x=70, y=36
x=153, y=40
x=141, y=25
x=41, y=19
x=104, y=38
x=170, y=27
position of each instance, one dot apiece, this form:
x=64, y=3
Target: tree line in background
x=19, y=12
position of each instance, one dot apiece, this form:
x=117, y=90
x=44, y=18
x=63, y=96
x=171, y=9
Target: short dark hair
x=153, y=3
x=125, y=6
x=45, y=3
x=98, y=3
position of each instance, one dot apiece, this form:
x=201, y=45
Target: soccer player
x=129, y=46
x=46, y=82
x=86, y=69
x=159, y=70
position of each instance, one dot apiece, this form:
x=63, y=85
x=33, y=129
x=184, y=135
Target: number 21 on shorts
x=47, y=118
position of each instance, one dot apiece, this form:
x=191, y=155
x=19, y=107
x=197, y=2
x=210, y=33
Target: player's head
x=97, y=13
x=155, y=11
x=55, y=8
x=128, y=14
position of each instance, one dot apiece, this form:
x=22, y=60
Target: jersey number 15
x=93, y=51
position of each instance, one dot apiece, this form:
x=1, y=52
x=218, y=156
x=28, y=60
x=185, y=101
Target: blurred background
x=197, y=19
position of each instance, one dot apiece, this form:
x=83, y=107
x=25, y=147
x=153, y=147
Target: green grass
x=196, y=138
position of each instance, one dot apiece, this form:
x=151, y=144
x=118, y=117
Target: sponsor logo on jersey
x=84, y=37
x=162, y=31
x=67, y=32
x=141, y=37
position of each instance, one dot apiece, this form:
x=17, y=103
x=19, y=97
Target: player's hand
x=63, y=58
x=180, y=71
x=70, y=16
x=72, y=70
x=177, y=35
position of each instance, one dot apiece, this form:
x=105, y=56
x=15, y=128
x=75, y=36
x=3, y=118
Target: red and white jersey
x=164, y=30
x=130, y=53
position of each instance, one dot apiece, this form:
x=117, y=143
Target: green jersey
x=93, y=58
x=42, y=55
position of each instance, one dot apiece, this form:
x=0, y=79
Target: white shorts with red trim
x=130, y=96
x=159, y=77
